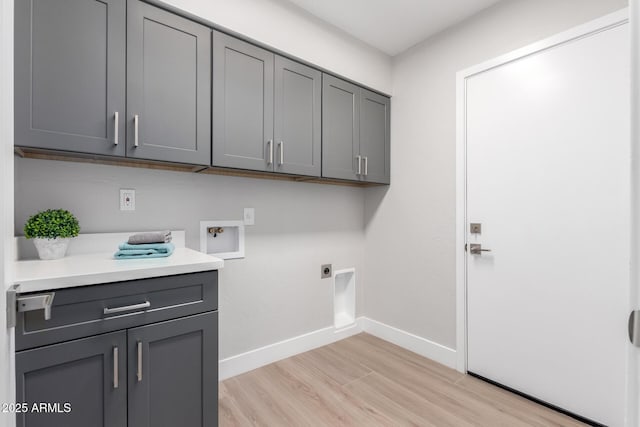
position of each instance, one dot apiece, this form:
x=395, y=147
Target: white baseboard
x=245, y=362
x=411, y=342
x=254, y=359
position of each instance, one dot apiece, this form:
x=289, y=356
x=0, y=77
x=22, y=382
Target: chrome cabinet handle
x=281, y=147
x=270, y=148
x=108, y=310
x=359, y=159
x=115, y=128
x=136, y=123
x=139, y=369
x=366, y=166
x=115, y=367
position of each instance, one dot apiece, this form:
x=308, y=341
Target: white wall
x=7, y=381
x=286, y=27
x=412, y=222
x=274, y=293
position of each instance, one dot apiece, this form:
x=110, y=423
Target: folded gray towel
x=150, y=237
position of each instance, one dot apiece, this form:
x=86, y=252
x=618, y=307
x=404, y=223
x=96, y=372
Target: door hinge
x=634, y=328
x=465, y=247
x=12, y=308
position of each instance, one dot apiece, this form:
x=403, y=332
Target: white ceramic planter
x=51, y=248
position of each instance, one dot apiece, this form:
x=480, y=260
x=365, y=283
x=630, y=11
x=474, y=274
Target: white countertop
x=95, y=268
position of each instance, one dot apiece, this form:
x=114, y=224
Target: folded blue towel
x=151, y=250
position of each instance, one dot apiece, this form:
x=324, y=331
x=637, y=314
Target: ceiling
x=392, y=26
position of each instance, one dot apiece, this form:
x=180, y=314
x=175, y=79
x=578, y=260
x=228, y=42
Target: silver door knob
x=476, y=249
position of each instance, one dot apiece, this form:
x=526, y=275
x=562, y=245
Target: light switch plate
x=127, y=199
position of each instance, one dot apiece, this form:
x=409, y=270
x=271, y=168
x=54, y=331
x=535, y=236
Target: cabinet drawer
x=80, y=312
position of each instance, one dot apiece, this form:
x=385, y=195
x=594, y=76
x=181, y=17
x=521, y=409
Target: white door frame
x=606, y=22
x=633, y=389
x=7, y=353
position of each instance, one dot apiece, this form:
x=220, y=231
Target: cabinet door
x=168, y=86
x=242, y=105
x=70, y=75
x=81, y=373
x=173, y=373
x=374, y=136
x=340, y=129
x=297, y=128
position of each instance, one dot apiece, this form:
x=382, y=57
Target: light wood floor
x=364, y=381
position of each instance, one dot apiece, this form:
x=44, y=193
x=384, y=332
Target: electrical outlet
x=249, y=216
x=325, y=271
x=127, y=199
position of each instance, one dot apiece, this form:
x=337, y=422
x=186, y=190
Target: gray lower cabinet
x=297, y=129
x=142, y=353
x=176, y=373
x=70, y=75
x=355, y=132
x=88, y=374
x=242, y=104
x=168, y=86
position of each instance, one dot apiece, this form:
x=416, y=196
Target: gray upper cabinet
x=127, y=78
x=242, y=105
x=340, y=130
x=70, y=75
x=173, y=369
x=374, y=137
x=168, y=86
x=355, y=132
x=88, y=373
x=297, y=129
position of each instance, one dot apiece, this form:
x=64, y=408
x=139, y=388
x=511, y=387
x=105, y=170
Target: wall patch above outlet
x=249, y=216
x=127, y=199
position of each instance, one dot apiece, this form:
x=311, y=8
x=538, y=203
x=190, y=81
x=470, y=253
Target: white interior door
x=548, y=177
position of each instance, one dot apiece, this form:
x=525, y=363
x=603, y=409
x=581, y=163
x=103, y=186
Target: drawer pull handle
x=139, y=370
x=145, y=304
x=115, y=367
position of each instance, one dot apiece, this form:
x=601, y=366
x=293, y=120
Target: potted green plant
x=51, y=231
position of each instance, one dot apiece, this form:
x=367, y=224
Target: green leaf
x=52, y=223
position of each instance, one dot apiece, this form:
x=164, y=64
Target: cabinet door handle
x=136, y=124
x=281, y=144
x=139, y=369
x=115, y=128
x=366, y=166
x=359, y=159
x=115, y=367
x=270, y=152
